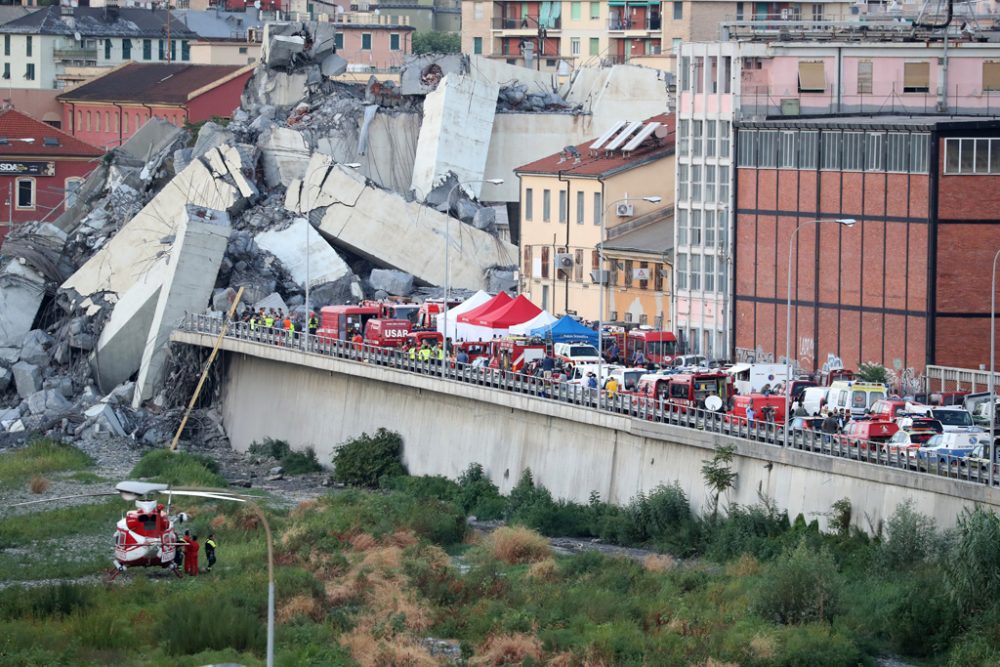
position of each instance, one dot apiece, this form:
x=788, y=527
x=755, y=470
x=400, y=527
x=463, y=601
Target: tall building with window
x=864, y=69
x=620, y=183
x=907, y=284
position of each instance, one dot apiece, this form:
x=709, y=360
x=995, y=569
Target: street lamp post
x=447, y=266
x=653, y=199
x=993, y=403
x=846, y=222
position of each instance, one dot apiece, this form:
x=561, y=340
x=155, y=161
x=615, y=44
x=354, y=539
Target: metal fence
x=864, y=452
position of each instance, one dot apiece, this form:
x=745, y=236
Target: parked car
x=887, y=409
x=979, y=459
x=813, y=400
x=866, y=434
x=904, y=442
x=948, y=448
x=953, y=419
x=628, y=378
x=805, y=424
x=915, y=423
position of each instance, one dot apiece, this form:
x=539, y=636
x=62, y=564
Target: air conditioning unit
x=564, y=262
x=599, y=277
x=625, y=210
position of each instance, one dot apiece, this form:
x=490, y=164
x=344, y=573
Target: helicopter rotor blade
x=78, y=495
x=206, y=494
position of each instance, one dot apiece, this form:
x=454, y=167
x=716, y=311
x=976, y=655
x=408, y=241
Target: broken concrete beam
x=333, y=65
x=455, y=133
x=271, y=301
x=21, y=292
x=390, y=281
x=48, y=401
x=381, y=226
x=268, y=89
x=187, y=287
x=300, y=245
x=307, y=193
x=104, y=415
x=127, y=257
x=222, y=299
x=35, y=348
x=284, y=155
x=9, y=356
x=281, y=50
x=154, y=136
x=237, y=164
x=27, y=378
x=485, y=218
x=421, y=74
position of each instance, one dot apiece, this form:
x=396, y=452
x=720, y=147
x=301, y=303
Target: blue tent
x=565, y=330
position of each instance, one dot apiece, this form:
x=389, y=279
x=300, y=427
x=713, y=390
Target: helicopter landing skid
x=113, y=572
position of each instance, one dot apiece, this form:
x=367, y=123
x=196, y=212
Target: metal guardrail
x=863, y=452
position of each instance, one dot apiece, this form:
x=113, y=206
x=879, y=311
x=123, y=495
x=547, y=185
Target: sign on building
x=19, y=168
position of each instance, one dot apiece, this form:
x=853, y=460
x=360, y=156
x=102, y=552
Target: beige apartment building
x=623, y=179
x=544, y=34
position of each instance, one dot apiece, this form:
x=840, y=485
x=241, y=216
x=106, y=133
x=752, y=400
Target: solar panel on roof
x=603, y=139
x=641, y=137
x=626, y=133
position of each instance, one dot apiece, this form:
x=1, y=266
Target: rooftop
x=655, y=237
x=43, y=139
x=212, y=24
x=882, y=122
x=625, y=146
x=98, y=22
x=11, y=12
x=152, y=83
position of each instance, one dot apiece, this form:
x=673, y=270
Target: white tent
x=474, y=301
x=542, y=319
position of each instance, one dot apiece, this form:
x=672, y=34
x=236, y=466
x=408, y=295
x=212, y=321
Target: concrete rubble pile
x=351, y=191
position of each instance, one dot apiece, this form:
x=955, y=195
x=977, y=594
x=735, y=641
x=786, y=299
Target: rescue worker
x=357, y=339
x=269, y=318
x=313, y=324
x=191, y=548
x=413, y=352
x=751, y=415
x=425, y=352
x=210, y=546
x=437, y=352
x=611, y=387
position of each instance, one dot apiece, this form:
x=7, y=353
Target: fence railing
x=866, y=452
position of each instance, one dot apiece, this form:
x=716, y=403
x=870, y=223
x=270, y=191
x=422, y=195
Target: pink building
x=111, y=108
x=364, y=41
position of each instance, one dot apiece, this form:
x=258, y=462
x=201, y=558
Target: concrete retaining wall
x=321, y=401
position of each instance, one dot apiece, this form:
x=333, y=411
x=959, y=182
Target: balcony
x=649, y=24
x=524, y=26
x=75, y=54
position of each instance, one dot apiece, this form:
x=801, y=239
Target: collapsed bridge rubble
x=351, y=191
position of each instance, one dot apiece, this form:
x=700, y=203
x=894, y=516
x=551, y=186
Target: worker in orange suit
x=191, y=548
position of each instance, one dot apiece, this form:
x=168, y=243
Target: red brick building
x=41, y=168
x=909, y=284
x=108, y=110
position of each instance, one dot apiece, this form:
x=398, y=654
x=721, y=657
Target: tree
x=437, y=42
x=872, y=372
x=718, y=476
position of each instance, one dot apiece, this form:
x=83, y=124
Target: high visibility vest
x=413, y=353
x=291, y=327
x=440, y=354
x=425, y=354
x=269, y=321
x=313, y=323
x=253, y=323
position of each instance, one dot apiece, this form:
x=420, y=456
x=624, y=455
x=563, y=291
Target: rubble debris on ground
x=347, y=175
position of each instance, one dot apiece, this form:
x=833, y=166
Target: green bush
x=38, y=458
x=44, y=602
x=817, y=645
x=972, y=573
x=436, y=42
x=211, y=620
x=755, y=530
x=532, y=505
x=436, y=487
x=270, y=448
x=301, y=463
x=479, y=496
x=178, y=469
x=911, y=539
x=920, y=619
x=364, y=460
x=801, y=586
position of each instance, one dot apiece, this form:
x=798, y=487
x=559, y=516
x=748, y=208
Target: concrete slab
x=155, y=135
x=284, y=155
x=237, y=164
x=280, y=50
x=389, y=150
x=133, y=251
x=27, y=378
x=456, y=132
x=382, y=226
x=421, y=74
x=21, y=292
x=104, y=415
x=194, y=264
x=294, y=244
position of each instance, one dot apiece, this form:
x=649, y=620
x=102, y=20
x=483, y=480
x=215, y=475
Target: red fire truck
x=514, y=353
x=386, y=332
x=659, y=347
x=339, y=322
x=429, y=310
x=687, y=390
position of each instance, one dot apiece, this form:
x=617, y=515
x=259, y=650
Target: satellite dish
x=256, y=5
x=713, y=403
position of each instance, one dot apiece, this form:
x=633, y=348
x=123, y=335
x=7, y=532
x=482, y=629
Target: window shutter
x=812, y=78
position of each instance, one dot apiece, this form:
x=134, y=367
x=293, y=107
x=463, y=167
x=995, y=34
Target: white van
x=752, y=378
x=578, y=353
x=857, y=397
x=813, y=399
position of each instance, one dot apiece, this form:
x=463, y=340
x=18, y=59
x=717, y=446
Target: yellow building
x=622, y=182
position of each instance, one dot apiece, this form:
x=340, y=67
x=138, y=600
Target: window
x=875, y=153
x=545, y=260
x=682, y=182
x=29, y=73
x=684, y=69
x=338, y=40
x=675, y=45
x=243, y=50
x=25, y=198
x=366, y=41
x=768, y=149
x=575, y=10
x=107, y=121
x=724, y=184
x=991, y=75
x=529, y=196
x=27, y=46
x=578, y=266
x=854, y=151
x=897, y=151
x=574, y=46
x=173, y=50
x=527, y=267
x=658, y=277
x=808, y=149
x=595, y=46
x=546, y=205
x=629, y=272
x=147, y=49
x=595, y=11
x=477, y=45
x=697, y=135
x=727, y=74
x=739, y=11
x=598, y=212
x=394, y=41
x=787, y=155
x=817, y=12
x=579, y=207
x=682, y=226
x=812, y=78
x=6, y=45
x=678, y=10
x=916, y=77
x=72, y=186
x=126, y=49
x=695, y=182
x=161, y=52
x=562, y=207
x=864, y=77
x=919, y=147
x=683, y=136
x=709, y=273
x=748, y=148
x=107, y=49
x=710, y=130
x=6, y=70
x=695, y=229
x=971, y=156
x=125, y=123
x=831, y=150
x=695, y=276
x=680, y=271
x=709, y=231
x=709, y=182
x=185, y=50
x=477, y=11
